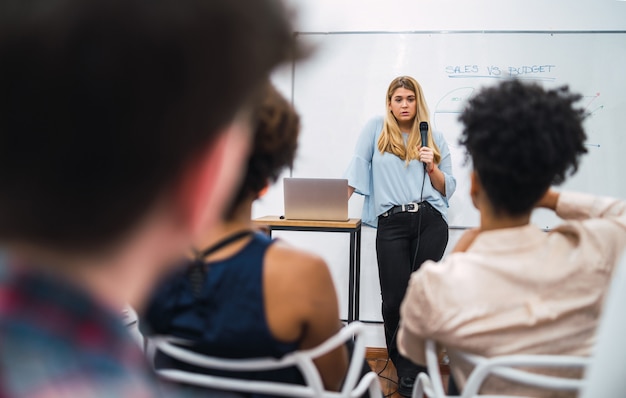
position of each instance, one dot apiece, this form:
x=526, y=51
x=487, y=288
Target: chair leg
x=422, y=387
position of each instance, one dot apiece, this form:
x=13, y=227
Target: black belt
x=407, y=208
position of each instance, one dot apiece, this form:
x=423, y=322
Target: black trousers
x=396, y=245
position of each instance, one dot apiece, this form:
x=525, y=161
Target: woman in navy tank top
x=241, y=294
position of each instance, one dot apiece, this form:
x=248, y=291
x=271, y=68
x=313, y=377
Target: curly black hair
x=274, y=146
x=521, y=139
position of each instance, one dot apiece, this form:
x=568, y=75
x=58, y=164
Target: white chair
x=130, y=319
x=605, y=376
x=303, y=360
x=504, y=367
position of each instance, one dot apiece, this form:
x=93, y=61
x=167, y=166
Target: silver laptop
x=320, y=199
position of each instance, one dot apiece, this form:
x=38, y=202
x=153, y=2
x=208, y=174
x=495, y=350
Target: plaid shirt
x=56, y=341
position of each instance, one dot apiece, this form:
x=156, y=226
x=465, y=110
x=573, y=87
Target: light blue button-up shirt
x=386, y=181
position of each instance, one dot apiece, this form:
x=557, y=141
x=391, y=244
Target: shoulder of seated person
x=438, y=279
x=443, y=270
x=291, y=259
x=282, y=249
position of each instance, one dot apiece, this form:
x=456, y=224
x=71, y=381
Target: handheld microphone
x=424, y=134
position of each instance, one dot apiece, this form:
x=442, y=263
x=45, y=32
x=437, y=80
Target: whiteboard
x=344, y=84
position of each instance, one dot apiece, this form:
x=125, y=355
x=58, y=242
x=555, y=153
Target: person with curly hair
x=510, y=287
x=242, y=294
x=407, y=184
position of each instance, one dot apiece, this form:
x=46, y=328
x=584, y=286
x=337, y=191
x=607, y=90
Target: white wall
x=411, y=15
x=418, y=15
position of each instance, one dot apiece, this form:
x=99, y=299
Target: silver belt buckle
x=415, y=208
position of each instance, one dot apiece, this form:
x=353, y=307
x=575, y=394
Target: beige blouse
x=518, y=290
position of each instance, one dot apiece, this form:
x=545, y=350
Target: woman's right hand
x=427, y=156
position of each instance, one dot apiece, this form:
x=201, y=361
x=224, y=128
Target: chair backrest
x=130, y=319
x=505, y=367
x=605, y=376
x=354, y=385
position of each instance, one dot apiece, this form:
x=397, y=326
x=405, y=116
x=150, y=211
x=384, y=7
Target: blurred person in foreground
x=124, y=125
x=510, y=287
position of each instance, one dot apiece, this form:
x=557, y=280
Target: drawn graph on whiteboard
x=450, y=106
x=447, y=111
x=445, y=120
x=593, y=109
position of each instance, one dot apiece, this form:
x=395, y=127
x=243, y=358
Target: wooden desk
x=352, y=226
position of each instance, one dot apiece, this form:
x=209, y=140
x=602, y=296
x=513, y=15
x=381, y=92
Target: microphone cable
x=417, y=244
x=419, y=222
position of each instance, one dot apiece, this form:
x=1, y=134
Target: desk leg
x=351, y=277
x=357, y=275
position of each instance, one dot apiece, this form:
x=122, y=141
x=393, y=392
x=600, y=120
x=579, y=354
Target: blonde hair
x=391, y=140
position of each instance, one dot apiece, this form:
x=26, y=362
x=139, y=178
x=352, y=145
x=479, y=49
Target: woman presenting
x=407, y=184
